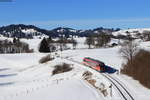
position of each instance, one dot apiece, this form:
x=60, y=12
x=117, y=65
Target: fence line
x=33, y=89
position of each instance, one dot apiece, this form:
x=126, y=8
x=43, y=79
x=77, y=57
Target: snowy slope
x=133, y=32
x=67, y=90
x=23, y=78
x=35, y=82
x=33, y=43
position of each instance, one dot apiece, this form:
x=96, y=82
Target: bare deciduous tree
x=74, y=43
x=89, y=41
x=7, y=46
x=102, y=39
x=128, y=50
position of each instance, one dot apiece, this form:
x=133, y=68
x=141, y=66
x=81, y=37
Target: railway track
x=125, y=94
x=122, y=90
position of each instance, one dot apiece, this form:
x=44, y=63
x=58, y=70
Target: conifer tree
x=44, y=47
x=14, y=40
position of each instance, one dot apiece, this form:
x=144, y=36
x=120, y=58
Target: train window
x=102, y=64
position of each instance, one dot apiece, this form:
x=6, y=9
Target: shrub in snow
x=30, y=51
x=95, y=83
x=45, y=59
x=87, y=75
x=92, y=82
x=102, y=88
x=61, y=68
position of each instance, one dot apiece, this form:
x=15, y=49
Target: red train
x=95, y=64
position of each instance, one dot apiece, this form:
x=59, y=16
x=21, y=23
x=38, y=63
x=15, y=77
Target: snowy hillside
x=29, y=31
x=22, y=77
x=28, y=80
x=22, y=31
x=132, y=32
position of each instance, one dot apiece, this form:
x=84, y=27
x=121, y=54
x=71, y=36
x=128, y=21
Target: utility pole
x=61, y=49
x=110, y=90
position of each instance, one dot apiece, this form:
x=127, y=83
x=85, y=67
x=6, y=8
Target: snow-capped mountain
x=63, y=31
x=105, y=30
x=74, y=32
x=22, y=31
x=30, y=31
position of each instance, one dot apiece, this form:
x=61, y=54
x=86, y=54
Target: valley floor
x=23, y=78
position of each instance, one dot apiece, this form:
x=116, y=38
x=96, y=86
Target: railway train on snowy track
x=95, y=64
x=101, y=67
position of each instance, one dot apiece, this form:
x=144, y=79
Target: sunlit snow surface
x=23, y=78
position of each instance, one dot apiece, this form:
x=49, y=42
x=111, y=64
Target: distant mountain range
x=21, y=31
x=29, y=31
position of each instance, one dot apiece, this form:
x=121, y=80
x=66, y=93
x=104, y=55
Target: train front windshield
x=102, y=68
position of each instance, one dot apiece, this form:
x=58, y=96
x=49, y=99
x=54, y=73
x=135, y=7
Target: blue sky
x=80, y=14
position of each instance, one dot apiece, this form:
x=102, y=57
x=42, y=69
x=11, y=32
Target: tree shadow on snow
x=8, y=83
x=7, y=75
x=4, y=69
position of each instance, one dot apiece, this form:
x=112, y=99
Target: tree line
x=50, y=45
x=15, y=46
x=137, y=62
x=98, y=40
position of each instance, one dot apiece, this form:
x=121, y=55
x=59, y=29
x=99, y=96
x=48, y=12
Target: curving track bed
x=122, y=90
x=124, y=93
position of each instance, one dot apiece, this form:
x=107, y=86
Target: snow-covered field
x=34, y=81
x=23, y=78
